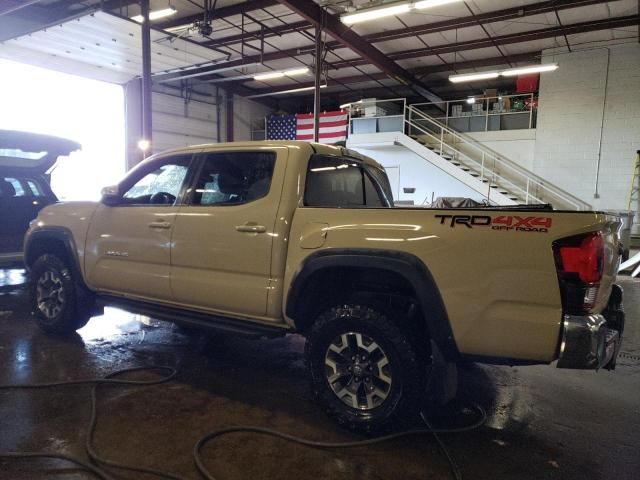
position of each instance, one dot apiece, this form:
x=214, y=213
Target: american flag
x=281, y=127
x=333, y=127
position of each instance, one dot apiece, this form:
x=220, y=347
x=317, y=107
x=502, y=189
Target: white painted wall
x=516, y=145
x=414, y=171
x=575, y=101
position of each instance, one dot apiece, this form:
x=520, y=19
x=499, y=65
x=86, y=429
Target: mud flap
x=442, y=385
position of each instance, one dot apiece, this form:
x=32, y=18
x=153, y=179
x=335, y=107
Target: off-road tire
x=70, y=310
x=403, y=400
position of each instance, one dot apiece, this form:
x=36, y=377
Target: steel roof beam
x=452, y=24
x=591, y=26
x=237, y=9
x=571, y=29
x=332, y=25
x=482, y=19
x=355, y=79
x=247, y=36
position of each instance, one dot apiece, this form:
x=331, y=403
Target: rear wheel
x=364, y=371
x=58, y=305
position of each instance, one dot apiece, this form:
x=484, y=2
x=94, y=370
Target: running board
x=194, y=318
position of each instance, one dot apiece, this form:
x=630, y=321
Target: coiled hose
x=99, y=463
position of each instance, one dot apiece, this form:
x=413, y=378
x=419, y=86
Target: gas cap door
x=313, y=235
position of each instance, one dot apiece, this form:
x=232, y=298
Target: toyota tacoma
x=270, y=238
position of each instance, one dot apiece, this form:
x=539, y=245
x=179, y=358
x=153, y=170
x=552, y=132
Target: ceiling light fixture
x=281, y=92
x=156, y=14
x=374, y=13
x=286, y=73
x=390, y=9
x=511, y=72
x=432, y=3
x=348, y=105
x=471, y=77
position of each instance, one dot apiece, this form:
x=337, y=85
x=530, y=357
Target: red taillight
x=580, y=266
x=585, y=259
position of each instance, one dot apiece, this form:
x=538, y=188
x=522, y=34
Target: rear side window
x=11, y=188
x=340, y=182
x=234, y=178
x=36, y=190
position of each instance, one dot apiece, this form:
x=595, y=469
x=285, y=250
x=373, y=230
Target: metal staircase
x=500, y=180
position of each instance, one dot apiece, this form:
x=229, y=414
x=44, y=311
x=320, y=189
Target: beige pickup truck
x=269, y=238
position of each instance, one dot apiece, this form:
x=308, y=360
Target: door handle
x=251, y=227
x=164, y=225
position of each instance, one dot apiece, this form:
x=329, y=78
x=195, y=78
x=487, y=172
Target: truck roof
x=315, y=147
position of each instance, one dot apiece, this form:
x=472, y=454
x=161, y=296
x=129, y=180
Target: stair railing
x=486, y=171
x=489, y=164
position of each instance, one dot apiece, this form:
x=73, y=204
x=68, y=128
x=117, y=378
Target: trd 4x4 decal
x=501, y=222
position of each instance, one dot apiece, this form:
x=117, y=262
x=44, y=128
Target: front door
x=221, y=257
x=129, y=244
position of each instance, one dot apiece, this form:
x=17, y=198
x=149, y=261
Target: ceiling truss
x=261, y=34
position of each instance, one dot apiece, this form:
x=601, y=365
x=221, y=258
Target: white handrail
x=481, y=167
x=513, y=178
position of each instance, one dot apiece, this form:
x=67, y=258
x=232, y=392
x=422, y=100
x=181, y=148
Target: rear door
x=21, y=198
x=223, y=237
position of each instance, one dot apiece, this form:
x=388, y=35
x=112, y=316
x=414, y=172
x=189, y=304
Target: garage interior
x=447, y=96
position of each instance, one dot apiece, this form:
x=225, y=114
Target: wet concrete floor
x=544, y=423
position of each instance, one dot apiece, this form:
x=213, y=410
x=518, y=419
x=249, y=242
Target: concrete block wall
x=593, y=92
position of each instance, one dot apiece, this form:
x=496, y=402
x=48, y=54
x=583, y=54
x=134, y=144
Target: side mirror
x=110, y=195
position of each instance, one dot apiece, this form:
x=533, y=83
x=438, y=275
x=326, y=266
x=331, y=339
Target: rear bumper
x=593, y=341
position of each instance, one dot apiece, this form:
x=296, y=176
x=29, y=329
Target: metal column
x=146, y=73
x=229, y=115
x=318, y=79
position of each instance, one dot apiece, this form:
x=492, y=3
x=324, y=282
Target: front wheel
x=55, y=298
x=364, y=371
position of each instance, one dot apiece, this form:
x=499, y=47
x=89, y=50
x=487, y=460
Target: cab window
x=233, y=178
x=341, y=182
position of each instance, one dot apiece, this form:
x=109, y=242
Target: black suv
x=26, y=159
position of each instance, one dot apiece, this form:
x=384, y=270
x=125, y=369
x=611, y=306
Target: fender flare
x=410, y=267
x=59, y=234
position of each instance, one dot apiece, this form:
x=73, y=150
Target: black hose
x=101, y=462
x=91, y=453
x=197, y=451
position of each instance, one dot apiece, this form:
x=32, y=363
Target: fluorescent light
x=348, y=105
x=432, y=3
x=512, y=72
x=156, y=14
x=374, y=13
x=388, y=10
x=471, y=100
x=269, y=76
x=286, y=73
x=297, y=71
x=281, y=92
x=470, y=77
